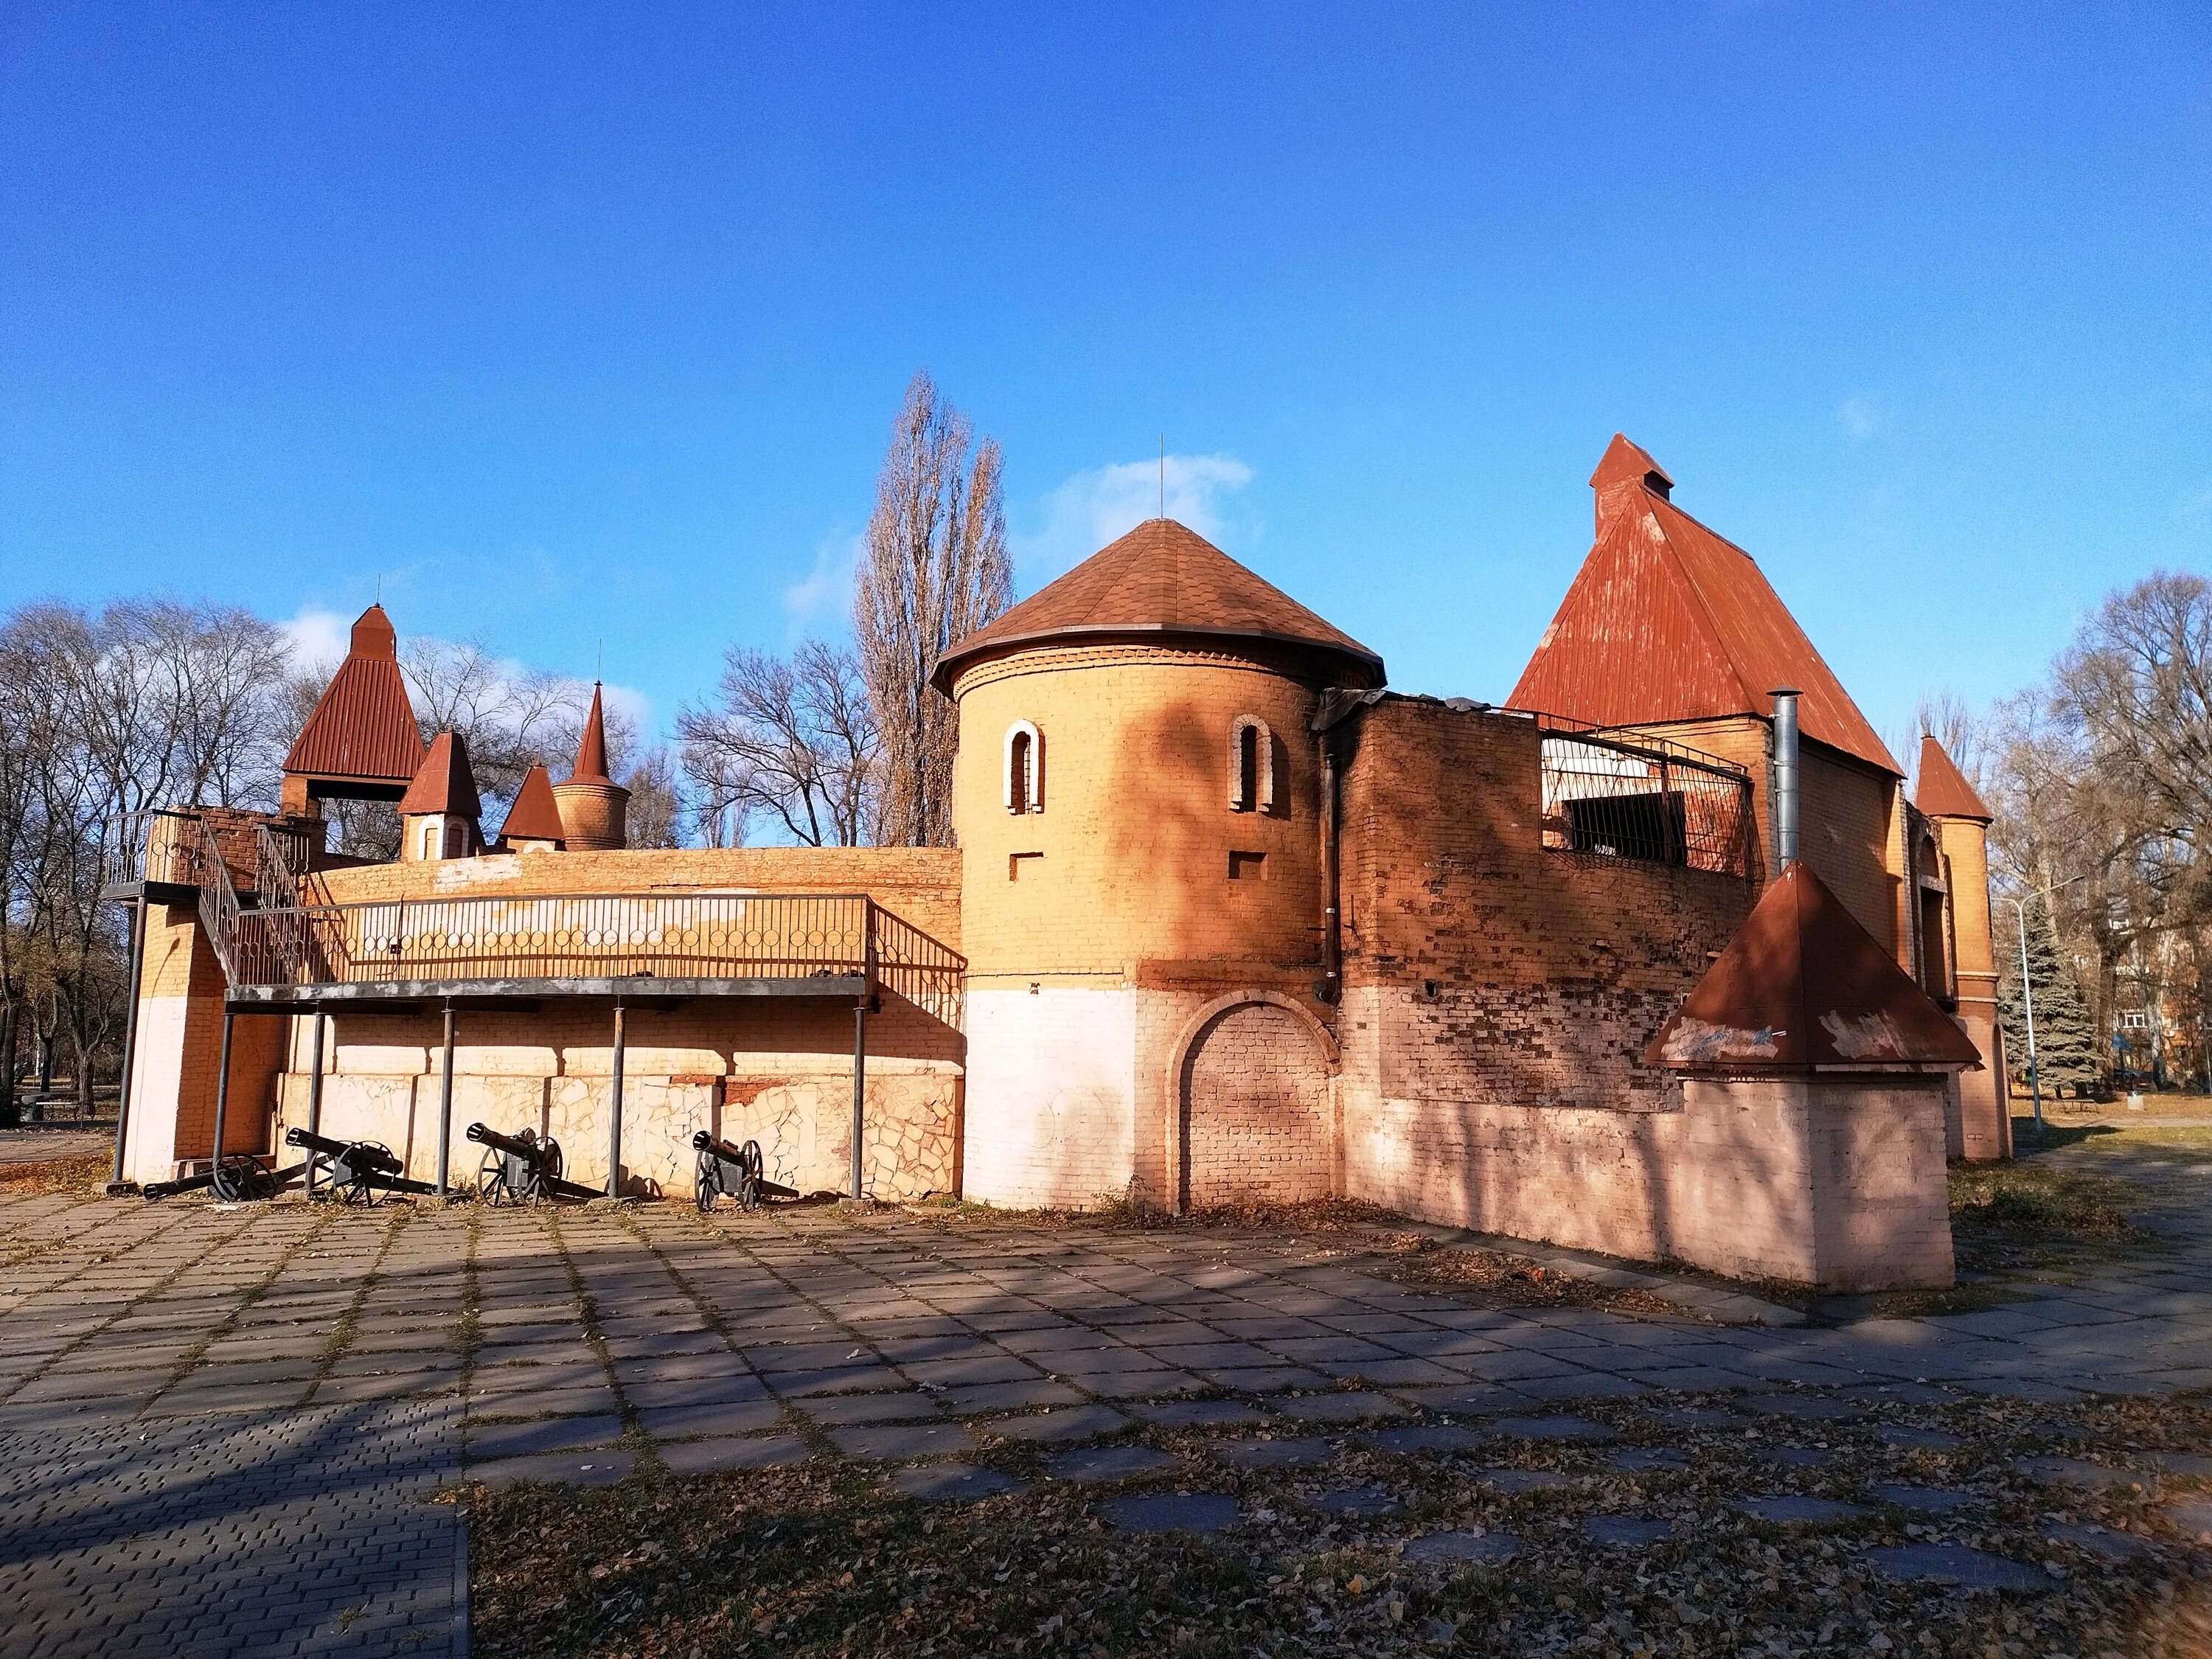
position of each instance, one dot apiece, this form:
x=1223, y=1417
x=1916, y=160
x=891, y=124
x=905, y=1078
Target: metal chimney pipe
x=1785, y=777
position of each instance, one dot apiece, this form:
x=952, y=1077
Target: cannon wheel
x=240, y=1178
x=750, y=1164
x=706, y=1185
x=491, y=1178
x=362, y=1187
x=549, y=1166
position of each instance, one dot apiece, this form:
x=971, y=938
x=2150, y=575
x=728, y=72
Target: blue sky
x=588, y=323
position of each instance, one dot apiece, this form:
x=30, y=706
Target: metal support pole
x=860, y=1083
x=130, y=1034
x=446, y=1104
x=315, y=1092
x=614, y=1111
x=222, y=1083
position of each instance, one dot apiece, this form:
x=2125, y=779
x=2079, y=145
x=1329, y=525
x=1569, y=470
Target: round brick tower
x=1137, y=802
x=594, y=809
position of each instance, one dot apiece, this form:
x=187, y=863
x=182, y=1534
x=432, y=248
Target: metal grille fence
x=1646, y=800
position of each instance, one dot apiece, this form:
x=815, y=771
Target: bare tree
x=656, y=804
x=936, y=569
x=793, y=743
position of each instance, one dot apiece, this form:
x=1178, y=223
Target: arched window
x=457, y=840
x=429, y=842
x=1024, y=779
x=1251, y=765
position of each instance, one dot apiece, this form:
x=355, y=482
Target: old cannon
x=236, y=1178
x=521, y=1168
x=736, y=1171
x=358, y=1171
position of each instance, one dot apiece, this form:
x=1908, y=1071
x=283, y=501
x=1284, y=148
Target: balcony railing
x=601, y=936
x=1647, y=799
x=162, y=845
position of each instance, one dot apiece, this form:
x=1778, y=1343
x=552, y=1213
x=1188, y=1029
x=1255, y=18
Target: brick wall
x=1511, y=972
x=1255, y=1110
x=1851, y=827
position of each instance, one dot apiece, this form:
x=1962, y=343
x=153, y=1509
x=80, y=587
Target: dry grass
x=2026, y=1214
x=1499, y=1278
x=78, y=1175
x=819, y=1559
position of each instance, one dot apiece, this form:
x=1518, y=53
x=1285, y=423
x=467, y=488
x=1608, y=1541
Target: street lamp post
x=2027, y=995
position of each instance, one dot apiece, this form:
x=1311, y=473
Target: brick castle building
x=1648, y=959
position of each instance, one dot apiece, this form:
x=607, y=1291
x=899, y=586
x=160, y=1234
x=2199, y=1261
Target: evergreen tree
x=2065, y=1041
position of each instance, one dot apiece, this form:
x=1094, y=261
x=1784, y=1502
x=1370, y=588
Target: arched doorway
x=1252, y=1105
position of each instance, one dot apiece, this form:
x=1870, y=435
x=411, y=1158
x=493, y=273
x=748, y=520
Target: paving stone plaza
x=225, y=1429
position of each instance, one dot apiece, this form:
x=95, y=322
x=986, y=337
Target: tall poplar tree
x=936, y=569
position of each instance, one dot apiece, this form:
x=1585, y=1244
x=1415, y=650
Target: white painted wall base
x=1052, y=1094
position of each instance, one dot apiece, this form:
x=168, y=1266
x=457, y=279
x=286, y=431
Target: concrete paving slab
x=1474, y=1549
x=1957, y=1563
x=1193, y=1512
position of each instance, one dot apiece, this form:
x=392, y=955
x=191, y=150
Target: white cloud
x=1860, y=418
x=826, y=590
x=316, y=639
x=1092, y=508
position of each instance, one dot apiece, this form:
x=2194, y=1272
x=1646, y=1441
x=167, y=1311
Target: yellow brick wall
x=1133, y=847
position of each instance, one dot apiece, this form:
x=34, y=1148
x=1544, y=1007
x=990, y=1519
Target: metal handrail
x=715, y=936
x=144, y=845
x=220, y=912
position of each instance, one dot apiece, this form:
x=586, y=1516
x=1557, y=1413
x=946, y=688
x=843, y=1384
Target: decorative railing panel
x=159, y=844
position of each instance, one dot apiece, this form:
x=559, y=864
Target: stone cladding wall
x=776, y=1071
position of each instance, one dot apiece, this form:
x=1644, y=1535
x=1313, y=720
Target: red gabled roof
x=591, y=765
x=444, y=782
x=1668, y=621
x=1803, y=986
x=1944, y=791
x=363, y=727
x=1162, y=578
x=535, y=816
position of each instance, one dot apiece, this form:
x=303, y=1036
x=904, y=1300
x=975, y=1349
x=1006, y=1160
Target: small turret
x=533, y=822
x=594, y=809
x=439, y=812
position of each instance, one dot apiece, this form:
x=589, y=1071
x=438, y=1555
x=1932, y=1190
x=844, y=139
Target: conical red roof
x=1159, y=579
x=362, y=729
x=535, y=816
x=444, y=782
x=591, y=765
x=1667, y=621
x=1944, y=791
x=1803, y=986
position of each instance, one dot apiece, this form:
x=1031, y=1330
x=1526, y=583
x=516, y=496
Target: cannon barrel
x=360, y=1154
x=530, y=1151
x=703, y=1142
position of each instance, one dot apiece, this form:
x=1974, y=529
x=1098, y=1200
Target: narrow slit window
x=1251, y=765
x=1023, y=781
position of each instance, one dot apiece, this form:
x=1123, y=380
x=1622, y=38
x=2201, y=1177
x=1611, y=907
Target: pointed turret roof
x=1668, y=621
x=591, y=765
x=444, y=782
x=362, y=729
x=535, y=816
x=1944, y=791
x=1803, y=986
x=1163, y=579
